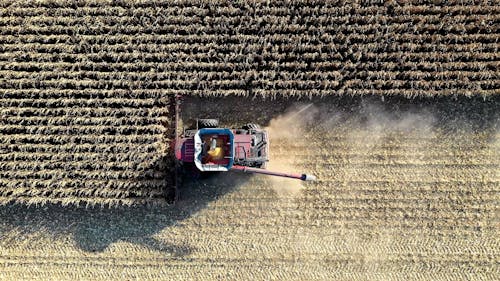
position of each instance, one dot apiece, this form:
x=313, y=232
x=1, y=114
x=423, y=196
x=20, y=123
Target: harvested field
x=407, y=190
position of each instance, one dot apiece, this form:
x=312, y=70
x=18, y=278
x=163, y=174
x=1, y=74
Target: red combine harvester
x=208, y=148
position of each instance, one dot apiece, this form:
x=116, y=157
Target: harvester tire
x=208, y=123
x=251, y=126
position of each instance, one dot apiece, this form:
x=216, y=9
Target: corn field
x=394, y=106
x=86, y=85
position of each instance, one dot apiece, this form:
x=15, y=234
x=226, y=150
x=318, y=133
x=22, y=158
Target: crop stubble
x=406, y=190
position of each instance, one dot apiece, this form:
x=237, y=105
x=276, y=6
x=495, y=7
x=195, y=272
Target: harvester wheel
x=208, y=123
x=251, y=126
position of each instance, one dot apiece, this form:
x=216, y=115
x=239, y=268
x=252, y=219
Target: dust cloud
x=404, y=120
x=298, y=135
x=385, y=133
x=288, y=146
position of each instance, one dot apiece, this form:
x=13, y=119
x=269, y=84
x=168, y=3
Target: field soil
x=406, y=190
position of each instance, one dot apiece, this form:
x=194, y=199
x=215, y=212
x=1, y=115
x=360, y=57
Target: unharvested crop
x=291, y=48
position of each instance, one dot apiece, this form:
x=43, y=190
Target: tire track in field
x=427, y=185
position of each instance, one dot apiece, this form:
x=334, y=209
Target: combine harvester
x=208, y=148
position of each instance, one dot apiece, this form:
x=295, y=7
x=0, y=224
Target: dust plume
x=378, y=122
x=300, y=134
x=288, y=146
x=291, y=125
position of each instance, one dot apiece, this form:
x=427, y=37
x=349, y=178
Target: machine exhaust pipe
x=304, y=177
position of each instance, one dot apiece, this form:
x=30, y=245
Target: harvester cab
x=213, y=149
x=208, y=148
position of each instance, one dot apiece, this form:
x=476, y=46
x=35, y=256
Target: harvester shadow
x=141, y=224
x=95, y=229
